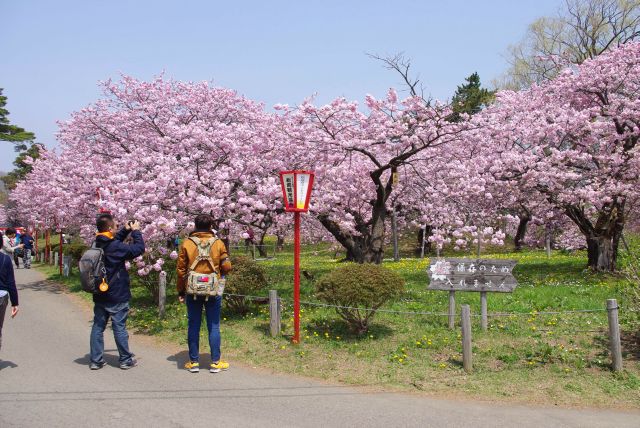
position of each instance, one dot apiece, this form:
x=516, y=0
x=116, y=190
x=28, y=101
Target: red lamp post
x=296, y=191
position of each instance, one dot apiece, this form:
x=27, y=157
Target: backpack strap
x=204, y=251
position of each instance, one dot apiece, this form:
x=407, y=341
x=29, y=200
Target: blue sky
x=55, y=52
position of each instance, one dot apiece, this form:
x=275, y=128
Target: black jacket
x=7, y=279
x=116, y=253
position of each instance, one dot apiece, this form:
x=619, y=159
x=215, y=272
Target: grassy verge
x=528, y=357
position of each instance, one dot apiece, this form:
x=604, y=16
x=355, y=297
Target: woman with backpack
x=202, y=263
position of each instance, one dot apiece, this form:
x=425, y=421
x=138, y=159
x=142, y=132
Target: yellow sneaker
x=217, y=367
x=192, y=366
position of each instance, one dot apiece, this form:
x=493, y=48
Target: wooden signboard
x=493, y=275
x=481, y=275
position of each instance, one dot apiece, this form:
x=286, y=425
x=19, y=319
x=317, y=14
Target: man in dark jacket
x=114, y=302
x=8, y=290
x=27, y=241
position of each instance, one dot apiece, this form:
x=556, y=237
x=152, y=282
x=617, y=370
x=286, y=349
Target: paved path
x=45, y=381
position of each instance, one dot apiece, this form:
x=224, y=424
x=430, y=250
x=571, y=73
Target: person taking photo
x=114, y=302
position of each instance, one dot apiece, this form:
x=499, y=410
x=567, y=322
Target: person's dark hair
x=10, y=231
x=203, y=222
x=104, y=223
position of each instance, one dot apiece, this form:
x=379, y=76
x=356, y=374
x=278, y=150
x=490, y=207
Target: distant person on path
x=10, y=245
x=191, y=262
x=8, y=290
x=114, y=303
x=27, y=241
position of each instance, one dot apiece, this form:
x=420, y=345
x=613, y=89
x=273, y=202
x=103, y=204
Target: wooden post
x=162, y=294
x=467, y=362
x=66, y=269
x=452, y=309
x=483, y=309
x=547, y=243
x=55, y=259
x=424, y=236
x=614, y=335
x=394, y=233
x=274, y=313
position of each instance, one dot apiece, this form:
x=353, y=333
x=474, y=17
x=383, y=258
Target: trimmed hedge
x=359, y=286
x=247, y=278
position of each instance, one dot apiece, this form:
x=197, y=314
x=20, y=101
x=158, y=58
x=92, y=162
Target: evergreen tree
x=24, y=145
x=12, y=133
x=470, y=98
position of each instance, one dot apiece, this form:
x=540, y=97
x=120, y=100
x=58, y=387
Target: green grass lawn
x=527, y=356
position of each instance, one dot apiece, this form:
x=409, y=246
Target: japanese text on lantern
x=288, y=185
x=302, y=186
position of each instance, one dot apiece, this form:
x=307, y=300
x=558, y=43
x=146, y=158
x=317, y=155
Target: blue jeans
x=194, y=314
x=119, y=313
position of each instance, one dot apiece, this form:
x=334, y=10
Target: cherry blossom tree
x=574, y=140
x=355, y=155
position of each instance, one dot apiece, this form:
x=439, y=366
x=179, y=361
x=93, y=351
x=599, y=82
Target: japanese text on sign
x=472, y=275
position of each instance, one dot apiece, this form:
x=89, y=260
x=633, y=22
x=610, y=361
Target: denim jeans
x=27, y=258
x=194, y=314
x=118, y=313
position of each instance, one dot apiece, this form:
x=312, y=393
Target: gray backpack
x=92, y=270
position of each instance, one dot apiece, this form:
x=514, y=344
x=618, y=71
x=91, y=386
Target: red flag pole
x=60, y=254
x=296, y=278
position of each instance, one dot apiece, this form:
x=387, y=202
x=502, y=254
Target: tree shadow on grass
x=334, y=328
x=337, y=327
x=631, y=344
x=629, y=340
x=455, y=362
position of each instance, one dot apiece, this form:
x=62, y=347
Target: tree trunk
x=394, y=231
x=525, y=218
x=280, y=242
x=603, y=236
x=368, y=247
x=600, y=253
x=261, y=250
x=426, y=233
x=374, y=249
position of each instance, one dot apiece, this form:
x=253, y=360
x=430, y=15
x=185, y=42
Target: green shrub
x=247, y=278
x=359, y=286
